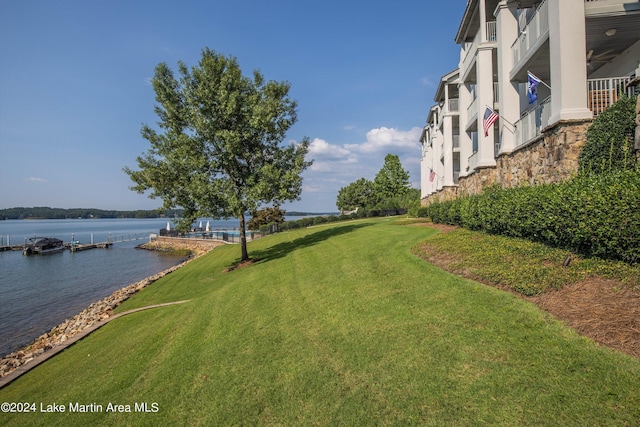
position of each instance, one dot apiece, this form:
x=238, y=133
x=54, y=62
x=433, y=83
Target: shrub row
x=593, y=215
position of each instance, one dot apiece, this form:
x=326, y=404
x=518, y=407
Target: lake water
x=41, y=291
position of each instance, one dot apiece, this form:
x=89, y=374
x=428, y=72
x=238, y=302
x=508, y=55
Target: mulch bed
x=600, y=309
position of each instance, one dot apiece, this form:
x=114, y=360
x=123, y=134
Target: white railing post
x=492, y=34
x=602, y=93
x=531, y=124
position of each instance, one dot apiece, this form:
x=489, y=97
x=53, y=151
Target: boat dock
x=11, y=248
x=77, y=247
x=71, y=246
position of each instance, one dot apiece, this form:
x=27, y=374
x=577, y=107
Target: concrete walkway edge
x=57, y=349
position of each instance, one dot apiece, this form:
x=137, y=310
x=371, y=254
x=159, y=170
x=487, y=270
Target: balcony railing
x=470, y=48
x=531, y=123
x=473, y=161
x=536, y=28
x=454, y=104
x=472, y=111
x=492, y=32
x=602, y=93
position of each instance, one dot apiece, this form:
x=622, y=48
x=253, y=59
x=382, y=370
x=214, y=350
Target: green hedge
x=593, y=215
x=609, y=143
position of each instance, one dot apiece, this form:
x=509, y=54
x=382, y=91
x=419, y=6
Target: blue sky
x=74, y=86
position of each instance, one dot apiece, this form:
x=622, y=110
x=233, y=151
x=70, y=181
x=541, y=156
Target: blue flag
x=532, y=84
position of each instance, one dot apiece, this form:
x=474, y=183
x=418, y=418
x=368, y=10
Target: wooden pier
x=11, y=248
x=77, y=247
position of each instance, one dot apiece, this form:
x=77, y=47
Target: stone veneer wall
x=552, y=157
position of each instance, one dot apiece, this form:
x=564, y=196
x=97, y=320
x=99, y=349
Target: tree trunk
x=243, y=239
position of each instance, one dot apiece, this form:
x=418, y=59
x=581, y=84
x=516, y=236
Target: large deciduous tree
x=358, y=194
x=392, y=180
x=217, y=151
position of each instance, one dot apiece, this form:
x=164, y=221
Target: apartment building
x=581, y=54
x=440, y=138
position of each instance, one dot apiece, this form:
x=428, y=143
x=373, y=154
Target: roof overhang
x=450, y=77
x=469, y=12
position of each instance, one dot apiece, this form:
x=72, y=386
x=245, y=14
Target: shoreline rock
x=99, y=310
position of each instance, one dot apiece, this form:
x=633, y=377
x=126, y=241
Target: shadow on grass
x=283, y=249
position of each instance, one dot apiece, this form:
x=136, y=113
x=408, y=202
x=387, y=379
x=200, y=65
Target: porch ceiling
x=604, y=48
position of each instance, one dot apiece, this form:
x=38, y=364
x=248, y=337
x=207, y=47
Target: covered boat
x=43, y=245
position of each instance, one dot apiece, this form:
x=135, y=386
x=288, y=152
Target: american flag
x=490, y=118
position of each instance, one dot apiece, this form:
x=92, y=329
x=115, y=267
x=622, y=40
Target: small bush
x=422, y=212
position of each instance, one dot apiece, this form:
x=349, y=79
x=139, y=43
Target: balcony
x=471, y=48
x=472, y=113
x=602, y=93
x=532, y=122
x=535, y=32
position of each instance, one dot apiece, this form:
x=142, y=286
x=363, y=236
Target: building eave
x=472, y=5
x=439, y=96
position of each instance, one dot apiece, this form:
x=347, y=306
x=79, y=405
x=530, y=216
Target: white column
x=437, y=150
x=447, y=133
x=507, y=29
x=465, y=139
x=484, y=90
x=483, y=20
x=567, y=46
x=424, y=172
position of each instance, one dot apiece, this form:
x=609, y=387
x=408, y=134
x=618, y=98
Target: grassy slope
x=338, y=324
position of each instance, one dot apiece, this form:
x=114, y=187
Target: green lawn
x=336, y=325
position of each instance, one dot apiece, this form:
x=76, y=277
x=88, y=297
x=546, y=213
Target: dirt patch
x=600, y=309
x=240, y=265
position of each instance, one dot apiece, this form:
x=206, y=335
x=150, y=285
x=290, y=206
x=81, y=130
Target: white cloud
x=320, y=166
x=320, y=147
x=329, y=158
x=34, y=179
x=337, y=165
x=384, y=138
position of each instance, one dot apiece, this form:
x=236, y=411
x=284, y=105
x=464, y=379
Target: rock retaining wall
x=553, y=157
x=197, y=246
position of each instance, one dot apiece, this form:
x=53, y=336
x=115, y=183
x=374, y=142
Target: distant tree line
x=84, y=213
